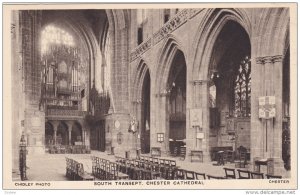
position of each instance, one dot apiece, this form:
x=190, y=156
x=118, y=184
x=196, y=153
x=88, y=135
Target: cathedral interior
x=137, y=90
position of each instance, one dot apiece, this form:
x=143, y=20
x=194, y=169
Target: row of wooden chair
x=246, y=174
x=182, y=174
x=167, y=167
x=106, y=170
x=75, y=171
x=138, y=169
x=61, y=149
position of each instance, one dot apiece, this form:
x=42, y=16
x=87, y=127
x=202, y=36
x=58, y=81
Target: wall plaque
x=35, y=122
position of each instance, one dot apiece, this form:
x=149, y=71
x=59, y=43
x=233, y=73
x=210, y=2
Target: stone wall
x=34, y=115
x=194, y=33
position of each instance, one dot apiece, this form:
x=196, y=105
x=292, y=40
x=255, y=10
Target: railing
x=67, y=104
x=65, y=113
x=179, y=19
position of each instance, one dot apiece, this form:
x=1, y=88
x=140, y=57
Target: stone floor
x=52, y=167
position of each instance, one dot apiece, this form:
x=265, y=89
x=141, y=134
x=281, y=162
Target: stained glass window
x=242, y=89
x=54, y=35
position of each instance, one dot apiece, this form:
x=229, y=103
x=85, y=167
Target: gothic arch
x=272, y=27
x=209, y=29
x=140, y=73
x=168, y=51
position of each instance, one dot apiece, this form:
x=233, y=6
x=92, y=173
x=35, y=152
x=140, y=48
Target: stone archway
x=230, y=73
x=204, y=66
x=76, y=134
x=49, y=134
x=141, y=104
x=62, y=135
x=170, y=75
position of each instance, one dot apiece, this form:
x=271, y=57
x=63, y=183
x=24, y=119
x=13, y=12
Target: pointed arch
x=209, y=29
x=167, y=53
x=274, y=22
x=140, y=73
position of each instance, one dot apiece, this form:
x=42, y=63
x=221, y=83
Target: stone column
x=55, y=125
x=164, y=123
x=200, y=100
x=277, y=133
x=70, y=125
x=267, y=131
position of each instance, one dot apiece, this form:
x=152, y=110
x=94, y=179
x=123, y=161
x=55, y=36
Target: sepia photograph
x=150, y=96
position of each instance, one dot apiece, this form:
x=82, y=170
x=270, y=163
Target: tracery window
x=242, y=89
x=61, y=63
x=54, y=35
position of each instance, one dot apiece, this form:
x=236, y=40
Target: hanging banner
x=196, y=117
x=266, y=107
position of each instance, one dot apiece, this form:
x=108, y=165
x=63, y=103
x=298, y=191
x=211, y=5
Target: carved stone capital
x=269, y=59
x=199, y=82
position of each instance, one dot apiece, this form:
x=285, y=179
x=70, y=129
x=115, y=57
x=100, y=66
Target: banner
x=266, y=107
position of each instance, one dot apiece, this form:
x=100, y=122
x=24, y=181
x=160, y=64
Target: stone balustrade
x=179, y=19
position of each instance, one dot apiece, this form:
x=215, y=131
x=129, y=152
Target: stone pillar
x=164, y=123
x=118, y=123
x=70, y=125
x=267, y=131
x=277, y=133
x=200, y=100
x=16, y=88
x=55, y=125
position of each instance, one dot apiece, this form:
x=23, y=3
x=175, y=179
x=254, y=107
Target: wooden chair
x=172, y=163
x=243, y=174
x=151, y=159
x=182, y=153
x=68, y=168
x=189, y=175
x=162, y=168
x=256, y=175
x=147, y=172
x=230, y=173
x=241, y=160
x=73, y=164
x=215, y=177
x=179, y=174
x=229, y=156
x=273, y=176
x=200, y=176
x=155, y=161
x=112, y=171
x=155, y=170
x=146, y=159
x=98, y=170
x=83, y=175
